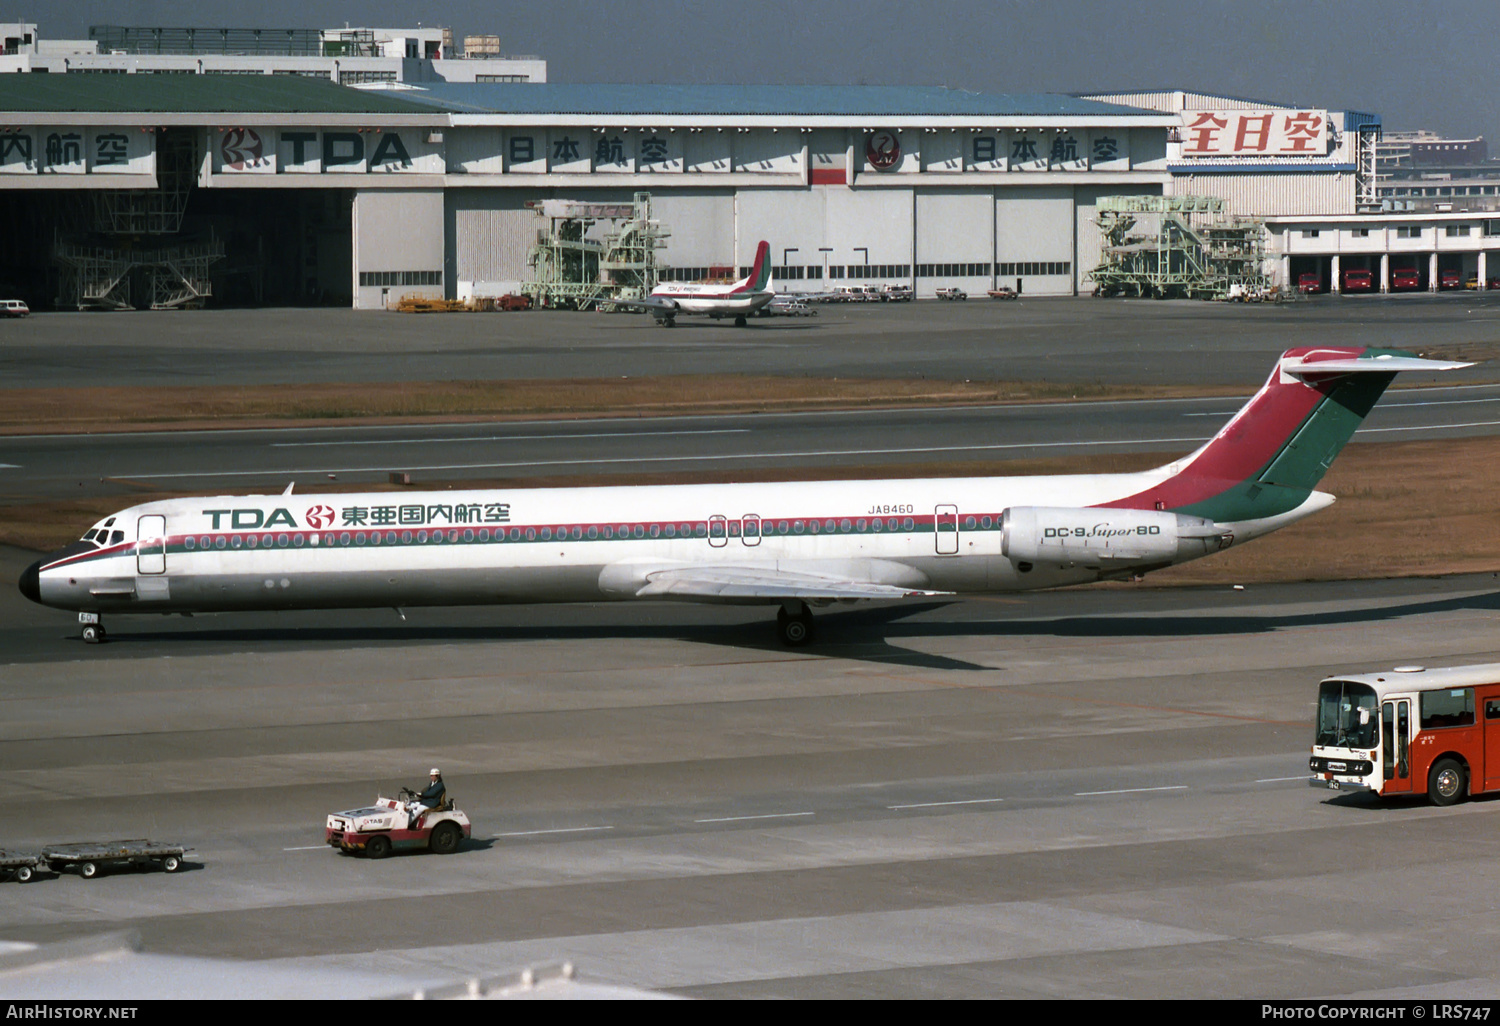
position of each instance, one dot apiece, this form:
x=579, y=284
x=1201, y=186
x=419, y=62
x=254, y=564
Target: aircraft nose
x=31, y=581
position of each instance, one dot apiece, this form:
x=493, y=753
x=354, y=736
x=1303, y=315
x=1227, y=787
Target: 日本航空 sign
x=1248, y=133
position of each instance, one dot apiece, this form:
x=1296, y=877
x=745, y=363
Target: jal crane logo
x=883, y=150
x=319, y=517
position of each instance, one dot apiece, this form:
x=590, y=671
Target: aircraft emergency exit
x=793, y=545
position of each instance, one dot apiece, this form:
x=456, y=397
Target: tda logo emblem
x=320, y=516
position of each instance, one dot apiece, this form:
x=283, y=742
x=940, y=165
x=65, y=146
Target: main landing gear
x=93, y=630
x=739, y=322
x=794, y=623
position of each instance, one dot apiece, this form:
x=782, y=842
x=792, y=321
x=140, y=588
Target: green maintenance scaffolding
x=592, y=253
x=1179, y=247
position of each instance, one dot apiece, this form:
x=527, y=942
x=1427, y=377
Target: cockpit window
x=110, y=522
x=116, y=537
x=89, y=535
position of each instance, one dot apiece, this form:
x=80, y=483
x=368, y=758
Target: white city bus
x=1410, y=731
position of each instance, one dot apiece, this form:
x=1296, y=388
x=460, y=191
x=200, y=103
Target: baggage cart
x=89, y=858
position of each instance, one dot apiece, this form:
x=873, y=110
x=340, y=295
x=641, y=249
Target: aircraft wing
x=743, y=582
x=652, y=303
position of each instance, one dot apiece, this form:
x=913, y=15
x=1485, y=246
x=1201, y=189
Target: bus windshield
x=1347, y=715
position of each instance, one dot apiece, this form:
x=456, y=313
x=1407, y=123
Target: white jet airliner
x=738, y=300
x=793, y=545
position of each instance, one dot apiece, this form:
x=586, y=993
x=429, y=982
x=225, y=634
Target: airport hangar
x=311, y=192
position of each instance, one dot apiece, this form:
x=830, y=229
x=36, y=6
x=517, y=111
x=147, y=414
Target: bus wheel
x=1445, y=783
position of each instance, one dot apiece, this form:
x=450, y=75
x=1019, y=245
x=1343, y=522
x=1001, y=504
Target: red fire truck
x=1410, y=731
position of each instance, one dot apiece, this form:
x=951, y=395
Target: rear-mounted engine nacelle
x=1057, y=536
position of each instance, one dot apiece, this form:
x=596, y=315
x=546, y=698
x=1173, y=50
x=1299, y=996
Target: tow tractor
x=384, y=827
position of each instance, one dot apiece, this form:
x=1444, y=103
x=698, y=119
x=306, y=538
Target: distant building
x=349, y=56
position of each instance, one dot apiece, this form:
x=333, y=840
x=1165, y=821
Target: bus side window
x=1492, y=709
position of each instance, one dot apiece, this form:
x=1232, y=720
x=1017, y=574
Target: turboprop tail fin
x=1268, y=459
x=760, y=273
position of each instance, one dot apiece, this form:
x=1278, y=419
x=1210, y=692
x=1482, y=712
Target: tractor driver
x=432, y=798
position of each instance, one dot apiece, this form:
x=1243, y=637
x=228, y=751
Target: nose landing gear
x=794, y=623
x=93, y=630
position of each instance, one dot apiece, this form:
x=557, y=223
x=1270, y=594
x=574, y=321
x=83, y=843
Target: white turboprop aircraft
x=794, y=545
x=738, y=300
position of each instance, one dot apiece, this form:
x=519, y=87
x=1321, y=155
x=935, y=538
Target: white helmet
x=435, y=772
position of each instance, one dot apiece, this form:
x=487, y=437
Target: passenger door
x=1395, y=746
x=945, y=523
x=1491, y=743
x=151, y=545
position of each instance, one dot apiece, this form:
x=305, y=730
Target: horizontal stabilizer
x=1308, y=364
x=752, y=582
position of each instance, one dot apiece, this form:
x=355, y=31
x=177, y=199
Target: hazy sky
x=1417, y=63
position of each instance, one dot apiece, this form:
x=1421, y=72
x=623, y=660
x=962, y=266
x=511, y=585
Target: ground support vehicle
x=1309, y=282
x=1358, y=280
x=377, y=830
x=510, y=301
x=1410, y=731
x=14, y=308
x=897, y=293
x=1004, y=292
x=952, y=294
x=18, y=864
x=89, y=858
x=1450, y=279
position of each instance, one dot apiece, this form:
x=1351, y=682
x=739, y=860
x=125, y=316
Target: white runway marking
x=933, y=805
x=310, y=847
x=1131, y=790
x=1430, y=427
x=559, y=830
x=770, y=815
x=1280, y=780
x=508, y=438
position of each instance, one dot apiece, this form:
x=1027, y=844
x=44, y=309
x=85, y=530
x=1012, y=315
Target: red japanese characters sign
x=1238, y=133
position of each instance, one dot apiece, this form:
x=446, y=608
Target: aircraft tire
x=794, y=631
x=93, y=634
x=739, y=322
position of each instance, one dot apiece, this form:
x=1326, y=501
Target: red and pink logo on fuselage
x=319, y=517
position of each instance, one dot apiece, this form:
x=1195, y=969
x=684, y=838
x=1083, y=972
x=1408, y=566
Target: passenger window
x=1448, y=708
x=1492, y=709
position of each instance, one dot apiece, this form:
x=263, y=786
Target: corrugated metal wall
x=490, y=234
x=1176, y=100
x=1268, y=195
